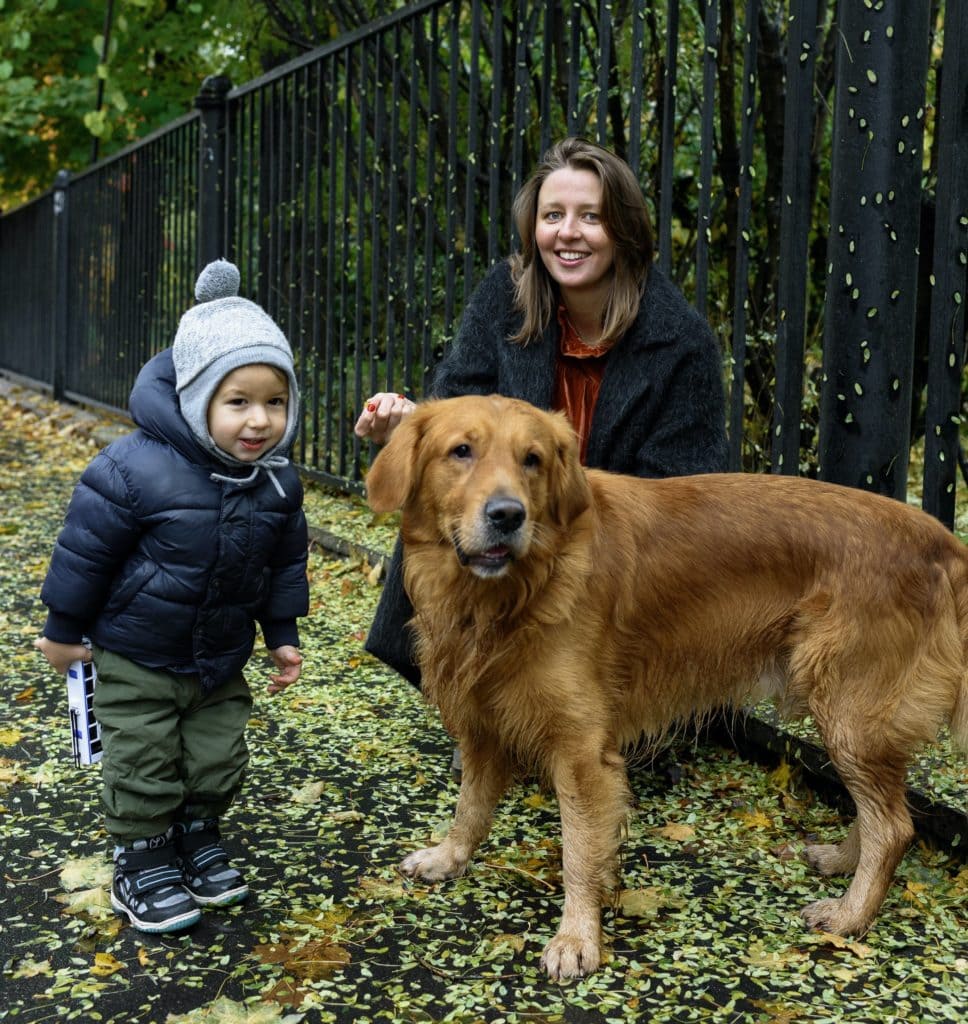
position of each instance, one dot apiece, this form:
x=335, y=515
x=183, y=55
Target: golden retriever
x=560, y=613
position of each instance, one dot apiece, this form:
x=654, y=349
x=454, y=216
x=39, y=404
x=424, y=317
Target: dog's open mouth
x=485, y=563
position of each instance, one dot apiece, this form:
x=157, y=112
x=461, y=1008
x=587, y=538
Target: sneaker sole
x=173, y=924
x=225, y=899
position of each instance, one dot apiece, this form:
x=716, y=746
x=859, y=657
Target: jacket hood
x=155, y=409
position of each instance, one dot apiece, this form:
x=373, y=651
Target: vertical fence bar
x=472, y=164
x=635, y=98
x=865, y=409
x=704, y=215
x=494, y=138
x=211, y=168
x=794, y=230
x=604, y=58
x=62, y=270
x=741, y=289
x=946, y=352
x=667, y=143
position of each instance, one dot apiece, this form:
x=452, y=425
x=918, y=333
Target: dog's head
x=490, y=476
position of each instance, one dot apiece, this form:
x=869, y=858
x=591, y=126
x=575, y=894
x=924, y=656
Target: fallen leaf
x=677, y=833
x=646, y=902
x=105, y=965
x=227, y=1011
x=309, y=794
x=86, y=873
x=755, y=819
x=840, y=942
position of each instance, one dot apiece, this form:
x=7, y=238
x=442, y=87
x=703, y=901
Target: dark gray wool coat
x=660, y=410
x=161, y=563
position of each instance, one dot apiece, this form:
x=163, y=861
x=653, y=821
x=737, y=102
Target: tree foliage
x=78, y=81
x=66, y=98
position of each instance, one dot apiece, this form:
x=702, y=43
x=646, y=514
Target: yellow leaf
x=515, y=942
x=538, y=800
x=31, y=968
x=309, y=794
x=756, y=819
x=105, y=965
x=646, y=902
x=10, y=737
x=85, y=873
x=782, y=777
x=376, y=888
x=839, y=942
x=317, y=960
x=677, y=833
x=93, y=903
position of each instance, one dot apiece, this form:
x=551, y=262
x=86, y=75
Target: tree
x=53, y=57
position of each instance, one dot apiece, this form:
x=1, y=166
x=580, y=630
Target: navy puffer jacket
x=162, y=564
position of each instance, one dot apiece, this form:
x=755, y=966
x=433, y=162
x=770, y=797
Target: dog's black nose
x=504, y=514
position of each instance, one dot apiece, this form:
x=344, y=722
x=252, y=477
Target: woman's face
x=569, y=234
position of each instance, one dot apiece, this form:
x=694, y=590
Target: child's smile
x=248, y=413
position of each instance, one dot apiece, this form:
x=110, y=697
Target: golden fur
x=560, y=613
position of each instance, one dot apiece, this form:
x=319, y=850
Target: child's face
x=247, y=414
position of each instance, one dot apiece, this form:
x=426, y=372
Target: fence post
x=212, y=179
x=60, y=259
x=872, y=248
x=798, y=120
x=947, y=340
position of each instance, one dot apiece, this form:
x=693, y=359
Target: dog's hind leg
x=485, y=776
x=593, y=797
x=878, y=838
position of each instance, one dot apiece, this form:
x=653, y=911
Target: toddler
x=178, y=539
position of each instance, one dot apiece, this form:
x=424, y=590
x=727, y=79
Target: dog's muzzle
x=502, y=520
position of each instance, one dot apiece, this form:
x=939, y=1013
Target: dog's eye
x=532, y=460
x=462, y=451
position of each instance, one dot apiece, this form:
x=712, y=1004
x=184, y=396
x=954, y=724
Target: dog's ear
x=570, y=490
x=392, y=476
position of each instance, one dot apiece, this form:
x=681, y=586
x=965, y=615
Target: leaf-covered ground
x=349, y=771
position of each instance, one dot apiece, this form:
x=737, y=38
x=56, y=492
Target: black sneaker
x=206, y=872
x=148, y=887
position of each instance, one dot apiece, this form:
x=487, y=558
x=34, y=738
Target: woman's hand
x=381, y=415
x=289, y=661
x=61, y=656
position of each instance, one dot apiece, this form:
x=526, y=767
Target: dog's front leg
x=485, y=775
x=593, y=797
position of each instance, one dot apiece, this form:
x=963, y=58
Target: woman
x=577, y=320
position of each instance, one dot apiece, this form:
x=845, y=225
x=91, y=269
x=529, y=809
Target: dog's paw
x=832, y=916
x=570, y=956
x=434, y=864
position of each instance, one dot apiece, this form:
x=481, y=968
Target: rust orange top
x=578, y=378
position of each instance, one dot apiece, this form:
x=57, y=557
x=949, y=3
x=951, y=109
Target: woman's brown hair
x=625, y=218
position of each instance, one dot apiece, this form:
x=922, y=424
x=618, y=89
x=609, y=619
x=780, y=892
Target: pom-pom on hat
x=217, y=336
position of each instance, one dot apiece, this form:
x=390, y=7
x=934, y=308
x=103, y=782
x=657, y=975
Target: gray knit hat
x=220, y=334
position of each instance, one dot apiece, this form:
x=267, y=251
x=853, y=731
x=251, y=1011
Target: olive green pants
x=170, y=752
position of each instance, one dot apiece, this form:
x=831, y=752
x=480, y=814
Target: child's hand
x=288, y=660
x=60, y=656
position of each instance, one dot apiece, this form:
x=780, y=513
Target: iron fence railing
x=364, y=188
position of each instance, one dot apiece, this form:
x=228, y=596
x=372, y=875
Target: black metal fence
x=364, y=188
